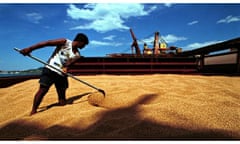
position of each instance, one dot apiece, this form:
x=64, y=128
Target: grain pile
x=135, y=107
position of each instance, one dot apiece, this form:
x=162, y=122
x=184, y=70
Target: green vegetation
x=24, y=72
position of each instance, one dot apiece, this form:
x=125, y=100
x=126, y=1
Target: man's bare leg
x=61, y=96
x=38, y=98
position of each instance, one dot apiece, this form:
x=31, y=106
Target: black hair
x=82, y=38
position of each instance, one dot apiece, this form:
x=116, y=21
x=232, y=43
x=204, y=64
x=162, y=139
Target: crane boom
x=135, y=43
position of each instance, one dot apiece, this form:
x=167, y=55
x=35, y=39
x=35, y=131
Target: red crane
x=135, y=43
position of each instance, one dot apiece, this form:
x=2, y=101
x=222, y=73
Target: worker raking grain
x=55, y=70
x=95, y=98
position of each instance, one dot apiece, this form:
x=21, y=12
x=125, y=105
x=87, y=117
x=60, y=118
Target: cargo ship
x=164, y=59
x=159, y=59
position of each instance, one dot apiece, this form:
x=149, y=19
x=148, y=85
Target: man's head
x=82, y=39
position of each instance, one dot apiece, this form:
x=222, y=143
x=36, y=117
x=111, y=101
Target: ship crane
x=160, y=45
x=135, y=44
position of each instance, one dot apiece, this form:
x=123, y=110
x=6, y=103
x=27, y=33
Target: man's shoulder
x=68, y=41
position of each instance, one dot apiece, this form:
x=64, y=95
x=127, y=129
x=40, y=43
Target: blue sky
x=184, y=25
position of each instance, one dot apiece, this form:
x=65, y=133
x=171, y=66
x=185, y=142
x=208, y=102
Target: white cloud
x=229, y=19
x=172, y=38
x=152, y=9
x=101, y=43
x=168, y=4
x=199, y=45
x=193, y=22
x=104, y=17
x=111, y=37
x=147, y=40
x=34, y=17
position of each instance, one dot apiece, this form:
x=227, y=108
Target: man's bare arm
x=55, y=42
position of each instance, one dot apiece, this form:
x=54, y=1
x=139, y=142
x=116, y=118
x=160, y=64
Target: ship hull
x=134, y=65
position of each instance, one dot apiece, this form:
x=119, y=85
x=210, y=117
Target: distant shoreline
x=3, y=75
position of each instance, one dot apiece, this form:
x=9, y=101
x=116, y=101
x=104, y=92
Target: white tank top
x=60, y=56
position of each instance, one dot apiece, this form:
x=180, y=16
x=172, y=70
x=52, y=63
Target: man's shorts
x=49, y=77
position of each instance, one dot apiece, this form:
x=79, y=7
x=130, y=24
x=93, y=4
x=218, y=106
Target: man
x=65, y=54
